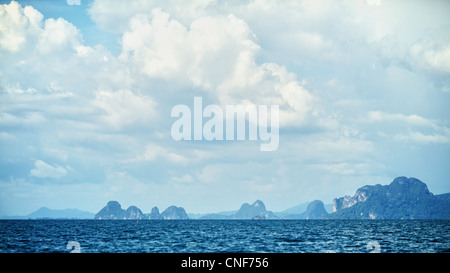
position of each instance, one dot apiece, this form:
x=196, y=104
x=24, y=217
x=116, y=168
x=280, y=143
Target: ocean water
x=204, y=236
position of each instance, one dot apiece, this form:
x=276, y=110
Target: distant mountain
x=196, y=215
x=173, y=212
x=46, y=213
x=215, y=216
x=228, y=212
x=113, y=210
x=155, y=215
x=314, y=210
x=445, y=197
x=134, y=212
x=200, y=215
x=404, y=198
x=299, y=209
x=257, y=210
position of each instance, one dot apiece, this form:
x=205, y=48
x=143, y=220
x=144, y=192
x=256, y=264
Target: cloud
x=44, y=170
x=421, y=138
x=373, y=2
x=161, y=46
x=120, y=181
x=114, y=15
x=73, y=2
x=25, y=29
x=349, y=168
x=415, y=120
x=153, y=151
x=217, y=55
x=353, y=80
x=30, y=119
x=57, y=35
x=18, y=26
x=185, y=179
x=409, y=128
x=435, y=58
x=123, y=108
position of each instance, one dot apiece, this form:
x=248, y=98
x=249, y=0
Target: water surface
x=276, y=236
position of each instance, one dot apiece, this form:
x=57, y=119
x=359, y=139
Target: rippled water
x=225, y=235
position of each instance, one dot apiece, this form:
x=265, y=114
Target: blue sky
x=86, y=93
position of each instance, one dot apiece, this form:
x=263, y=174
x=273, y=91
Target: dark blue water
x=293, y=236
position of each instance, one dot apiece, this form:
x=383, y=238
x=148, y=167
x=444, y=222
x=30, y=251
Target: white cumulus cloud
x=44, y=170
x=217, y=55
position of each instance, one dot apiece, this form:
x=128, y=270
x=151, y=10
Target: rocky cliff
x=134, y=213
x=154, y=214
x=174, y=213
x=404, y=198
x=314, y=210
x=113, y=210
x=257, y=209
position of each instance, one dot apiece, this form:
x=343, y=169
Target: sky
x=87, y=89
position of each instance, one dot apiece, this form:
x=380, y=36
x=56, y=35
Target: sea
x=229, y=236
